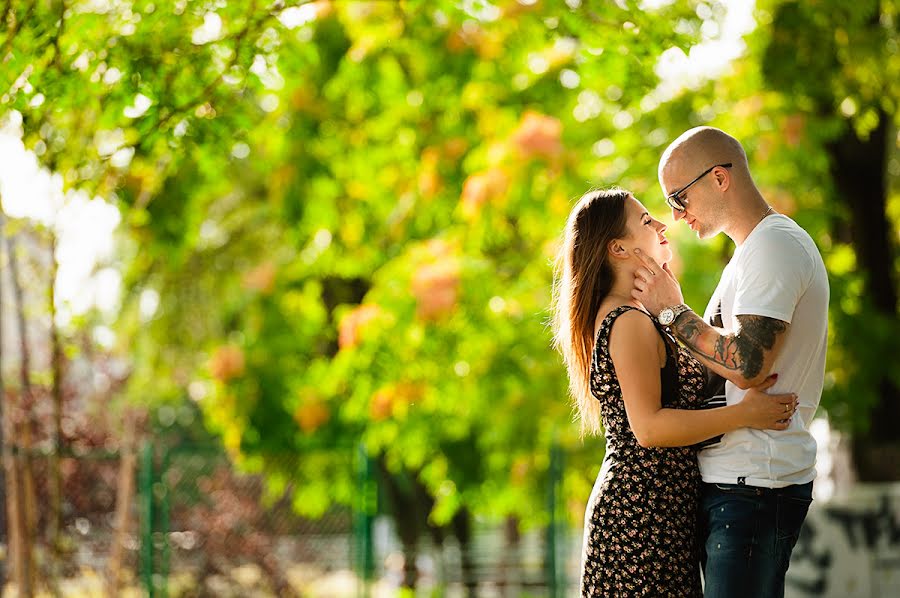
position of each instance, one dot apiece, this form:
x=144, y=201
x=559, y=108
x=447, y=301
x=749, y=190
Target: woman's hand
x=768, y=412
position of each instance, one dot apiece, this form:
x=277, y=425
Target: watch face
x=665, y=316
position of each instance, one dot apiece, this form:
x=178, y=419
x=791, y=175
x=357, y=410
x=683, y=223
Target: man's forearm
x=739, y=357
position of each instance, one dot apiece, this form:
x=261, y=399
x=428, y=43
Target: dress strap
x=609, y=320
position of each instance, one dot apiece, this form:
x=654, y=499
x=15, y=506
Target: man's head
x=706, y=180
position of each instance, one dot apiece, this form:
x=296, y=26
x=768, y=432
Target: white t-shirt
x=777, y=272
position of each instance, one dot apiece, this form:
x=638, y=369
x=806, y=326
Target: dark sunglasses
x=676, y=200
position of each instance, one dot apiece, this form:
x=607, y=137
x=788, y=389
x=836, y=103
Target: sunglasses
x=676, y=199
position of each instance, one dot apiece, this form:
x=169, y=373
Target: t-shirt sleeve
x=774, y=272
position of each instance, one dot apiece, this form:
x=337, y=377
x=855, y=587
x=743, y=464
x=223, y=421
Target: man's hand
x=654, y=286
x=744, y=357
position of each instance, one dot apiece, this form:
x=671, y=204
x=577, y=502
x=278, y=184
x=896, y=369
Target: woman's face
x=645, y=232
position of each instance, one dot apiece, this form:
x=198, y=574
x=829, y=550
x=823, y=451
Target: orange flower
x=381, y=405
x=394, y=400
x=455, y=148
x=429, y=180
x=436, y=288
x=312, y=414
x=519, y=471
x=794, y=128
x=323, y=8
x=429, y=183
x=539, y=135
x=480, y=187
x=260, y=278
x=353, y=323
x=227, y=362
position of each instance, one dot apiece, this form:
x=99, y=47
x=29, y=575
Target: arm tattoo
x=743, y=351
x=757, y=336
x=715, y=384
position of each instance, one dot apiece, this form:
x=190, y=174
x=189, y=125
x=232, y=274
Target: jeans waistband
x=793, y=489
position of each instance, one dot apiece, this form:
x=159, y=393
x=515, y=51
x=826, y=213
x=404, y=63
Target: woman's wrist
x=742, y=417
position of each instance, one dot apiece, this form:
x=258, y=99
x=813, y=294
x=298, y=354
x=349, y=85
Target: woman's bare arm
x=634, y=344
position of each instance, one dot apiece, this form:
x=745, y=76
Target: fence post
x=146, y=491
x=164, y=523
x=366, y=506
x=555, y=586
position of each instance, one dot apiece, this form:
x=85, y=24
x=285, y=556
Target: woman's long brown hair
x=583, y=277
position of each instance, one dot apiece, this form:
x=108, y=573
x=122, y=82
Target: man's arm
x=634, y=346
x=744, y=357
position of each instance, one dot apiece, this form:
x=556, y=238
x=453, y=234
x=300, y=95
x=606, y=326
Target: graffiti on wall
x=849, y=549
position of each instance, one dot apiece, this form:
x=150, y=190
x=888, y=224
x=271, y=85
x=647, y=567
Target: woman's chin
x=665, y=255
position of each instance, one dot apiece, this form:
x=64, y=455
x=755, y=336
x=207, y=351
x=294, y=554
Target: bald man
x=768, y=315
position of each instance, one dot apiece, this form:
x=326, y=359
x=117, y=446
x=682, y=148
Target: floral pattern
x=641, y=536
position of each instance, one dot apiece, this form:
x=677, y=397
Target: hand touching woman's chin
x=666, y=256
x=660, y=253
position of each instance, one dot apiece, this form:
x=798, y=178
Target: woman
x=630, y=378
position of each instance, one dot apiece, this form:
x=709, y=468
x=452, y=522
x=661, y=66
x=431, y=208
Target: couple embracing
x=709, y=460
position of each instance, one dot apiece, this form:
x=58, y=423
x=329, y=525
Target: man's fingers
x=643, y=273
x=648, y=261
x=642, y=258
x=640, y=284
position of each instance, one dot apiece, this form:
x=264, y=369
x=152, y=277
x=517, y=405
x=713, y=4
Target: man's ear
x=617, y=250
x=722, y=178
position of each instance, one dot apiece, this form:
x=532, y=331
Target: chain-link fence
x=194, y=525
x=210, y=529
x=186, y=522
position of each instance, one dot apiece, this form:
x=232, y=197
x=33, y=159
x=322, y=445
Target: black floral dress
x=641, y=522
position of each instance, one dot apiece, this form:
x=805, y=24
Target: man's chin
x=708, y=232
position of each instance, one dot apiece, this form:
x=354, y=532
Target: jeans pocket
x=791, y=514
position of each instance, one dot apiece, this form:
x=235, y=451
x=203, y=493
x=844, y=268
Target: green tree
x=340, y=216
x=835, y=67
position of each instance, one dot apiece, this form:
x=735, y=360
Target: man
x=768, y=315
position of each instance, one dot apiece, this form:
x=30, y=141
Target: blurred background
x=276, y=276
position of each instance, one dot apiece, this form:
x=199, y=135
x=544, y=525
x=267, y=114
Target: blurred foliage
x=347, y=210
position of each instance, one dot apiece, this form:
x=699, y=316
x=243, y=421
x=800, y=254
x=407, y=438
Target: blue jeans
x=747, y=534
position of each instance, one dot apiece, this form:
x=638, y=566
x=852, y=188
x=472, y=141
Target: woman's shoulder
x=632, y=319
x=635, y=339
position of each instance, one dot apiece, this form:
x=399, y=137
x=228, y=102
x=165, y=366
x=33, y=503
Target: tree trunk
x=858, y=170
x=5, y=528
x=26, y=428
x=15, y=518
x=29, y=427
x=509, y=565
x=462, y=529
x=124, y=500
x=406, y=518
x=20, y=542
x=55, y=473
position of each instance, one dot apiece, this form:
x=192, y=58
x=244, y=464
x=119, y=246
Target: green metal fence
x=199, y=526
x=207, y=525
x=360, y=543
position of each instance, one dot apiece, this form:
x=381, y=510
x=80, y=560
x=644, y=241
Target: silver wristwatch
x=669, y=314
